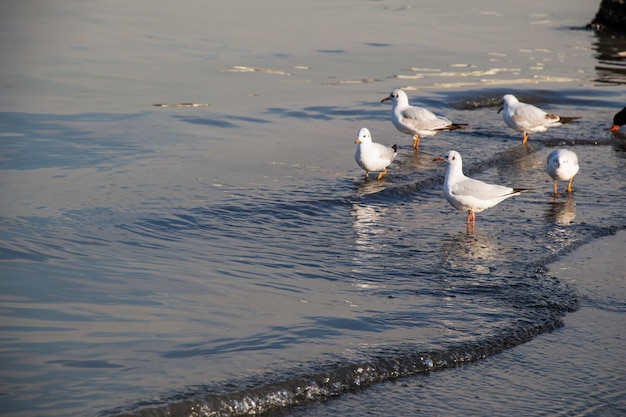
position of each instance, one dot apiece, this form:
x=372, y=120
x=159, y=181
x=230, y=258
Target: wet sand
x=578, y=369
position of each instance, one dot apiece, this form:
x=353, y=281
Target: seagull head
x=364, y=136
x=396, y=95
x=452, y=157
x=562, y=159
x=507, y=100
x=559, y=161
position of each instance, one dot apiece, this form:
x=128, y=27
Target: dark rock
x=611, y=17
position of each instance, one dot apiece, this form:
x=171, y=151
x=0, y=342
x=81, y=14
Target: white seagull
x=467, y=194
x=373, y=156
x=527, y=118
x=562, y=165
x=416, y=121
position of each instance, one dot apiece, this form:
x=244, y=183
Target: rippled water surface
x=228, y=257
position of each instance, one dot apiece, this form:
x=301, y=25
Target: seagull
x=527, y=118
x=467, y=194
x=619, y=120
x=416, y=121
x=562, y=165
x=373, y=156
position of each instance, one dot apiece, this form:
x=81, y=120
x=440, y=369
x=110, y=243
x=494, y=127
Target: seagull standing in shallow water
x=416, y=121
x=373, y=156
x=527, y=118
x=467, y=194
x=562, y=165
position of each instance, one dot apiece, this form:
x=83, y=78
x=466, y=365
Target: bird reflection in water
x=368, y=228
x=365, y=186
x=561, y=212
x=463, y=250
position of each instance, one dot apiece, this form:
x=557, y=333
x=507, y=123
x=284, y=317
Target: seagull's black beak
x=385, y=99
x=500, y=109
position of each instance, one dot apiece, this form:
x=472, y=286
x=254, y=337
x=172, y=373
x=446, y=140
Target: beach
x=185, y=230
x=578, y=369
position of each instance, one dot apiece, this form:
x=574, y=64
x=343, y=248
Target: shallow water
x=575, y=370
x=230, y=257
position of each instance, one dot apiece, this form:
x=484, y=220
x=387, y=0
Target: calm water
x=229, y=257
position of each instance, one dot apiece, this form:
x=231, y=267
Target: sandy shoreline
x=578, y=369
